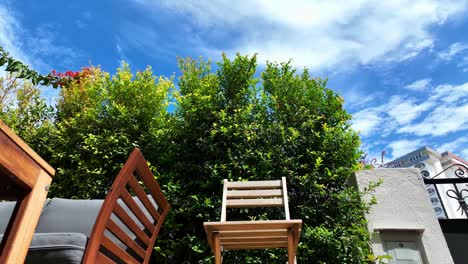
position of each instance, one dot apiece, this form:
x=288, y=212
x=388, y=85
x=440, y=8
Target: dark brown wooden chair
x=101, y=248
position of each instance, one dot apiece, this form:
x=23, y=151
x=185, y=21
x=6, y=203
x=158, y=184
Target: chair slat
x=101, y=258
x=125, y=218
x=254, y=185
x=133, y=183
x=256, y=245
x=227, y=235
x=153, y=186
x=122, y=236
x=133, y=206
x=250, y=233
x=117, y=251
x=250, y=203
x=151, y=216
x=241, y=240
x=252, y=225
x=264, y=193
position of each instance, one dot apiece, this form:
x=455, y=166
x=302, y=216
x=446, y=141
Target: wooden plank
x=133, y=206
x=101, y=258
x=264, y=193
x=117, y=251
x=109, y=206
x=255, y=185
x=125, y=218
x=291, y=251
x=148, y=178
x=285, y=198
x=209, y=235
x=260, y=233
x=133, y=183
x=16, y=241
x=135, y=163
x=26, y=149
x=217, y=248
x=17, y=165
x=297, y=235
x=251, y=203
x=248, y=246
x=242, y=240
x=156, y=232
x=127, y=240
x=252, y=225
x=224, y=202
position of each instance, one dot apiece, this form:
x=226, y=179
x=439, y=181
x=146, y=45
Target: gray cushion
x=56, y=248
x=6, y=209
x=69, y=216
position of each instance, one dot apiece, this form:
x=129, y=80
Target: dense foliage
x=219, y=123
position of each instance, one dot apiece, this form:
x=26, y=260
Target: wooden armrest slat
x=256, y=245
x=250, y=203
x=250, y=233
x=252, y=225
x=122, y=236
x=153, y=186
x=101, y=258
x=143, y=198
x=241, y=240
x=254, y=185
x=264, y=193
x=125, y=218
x=116, y=250
x=133, y=206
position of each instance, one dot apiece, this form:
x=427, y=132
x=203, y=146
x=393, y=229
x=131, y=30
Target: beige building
x=421, y=214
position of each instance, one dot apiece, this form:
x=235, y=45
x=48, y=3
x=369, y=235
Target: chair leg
x=217, y=248
x=291, y=253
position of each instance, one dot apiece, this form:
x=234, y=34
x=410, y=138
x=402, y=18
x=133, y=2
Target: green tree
x=99, y=120
x=230, y=124
x=24, y=110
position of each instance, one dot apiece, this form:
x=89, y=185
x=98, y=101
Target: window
x=404, y=246
x=403, y=252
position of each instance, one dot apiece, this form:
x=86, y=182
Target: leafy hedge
x=226, y=122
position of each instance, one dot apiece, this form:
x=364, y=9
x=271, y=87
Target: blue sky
x=401, y=66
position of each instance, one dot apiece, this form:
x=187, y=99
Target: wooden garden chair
x=235, y=235
x=103, y=249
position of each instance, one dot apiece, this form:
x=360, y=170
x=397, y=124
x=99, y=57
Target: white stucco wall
x=403, y=204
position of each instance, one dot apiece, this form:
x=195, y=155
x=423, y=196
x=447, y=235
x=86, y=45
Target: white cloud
x=387, y=117
x=318, y=34
x=367, y=121
x=439, y=113
x=9, y=29
x=453, y=50
x=403, y=111
x=442, y=120
x=456, y=146
x=418, y=85
x=464, y=154
x=37, y=47
x=404, y=146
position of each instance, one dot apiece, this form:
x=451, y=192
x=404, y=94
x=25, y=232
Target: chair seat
x=56, y=248
x=253, y=234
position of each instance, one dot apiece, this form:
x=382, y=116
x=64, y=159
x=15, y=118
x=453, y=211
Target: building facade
x=402, y=223
x=445, y=178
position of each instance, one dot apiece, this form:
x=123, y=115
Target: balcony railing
x=449, y=188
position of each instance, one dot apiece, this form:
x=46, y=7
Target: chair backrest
x=136, y=246
x=251, y=194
